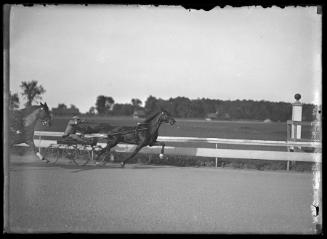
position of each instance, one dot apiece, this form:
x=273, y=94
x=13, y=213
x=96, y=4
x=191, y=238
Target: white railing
x=211, y=152
x=206, y=140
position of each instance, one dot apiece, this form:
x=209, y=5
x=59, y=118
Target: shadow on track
x=76, y=169
x=118, y=166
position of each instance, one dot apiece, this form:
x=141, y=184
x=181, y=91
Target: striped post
x=297, y=117
x=295, y=128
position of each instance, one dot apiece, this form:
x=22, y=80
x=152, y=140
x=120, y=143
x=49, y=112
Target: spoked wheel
x=82, y=156
x=51, y=154
x=68, y=153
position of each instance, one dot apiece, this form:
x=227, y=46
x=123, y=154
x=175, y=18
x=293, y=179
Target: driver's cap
x=75, y=117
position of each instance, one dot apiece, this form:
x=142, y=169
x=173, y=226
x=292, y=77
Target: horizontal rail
x=240, y=141
x=210, y=152
x=304, y=123
x=206, y=140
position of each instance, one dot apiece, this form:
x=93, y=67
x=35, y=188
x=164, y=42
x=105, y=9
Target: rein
x=130, y=131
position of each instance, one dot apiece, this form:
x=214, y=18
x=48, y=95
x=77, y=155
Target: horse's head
x=166, y=117
x=45, y=115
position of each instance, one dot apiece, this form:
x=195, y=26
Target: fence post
x=295, y=126
x=216, y=157
x=297, y=117
x=39, y=143
x=288, y=132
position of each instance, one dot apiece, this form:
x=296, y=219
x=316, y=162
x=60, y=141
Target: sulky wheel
x=51, y=154
x=81, y=156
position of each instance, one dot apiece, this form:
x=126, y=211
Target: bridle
x=47, y=117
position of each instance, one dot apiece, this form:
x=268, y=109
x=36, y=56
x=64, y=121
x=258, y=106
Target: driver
x=71, y=132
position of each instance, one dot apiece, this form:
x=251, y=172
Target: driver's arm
x=69, y=129
x=79, y=134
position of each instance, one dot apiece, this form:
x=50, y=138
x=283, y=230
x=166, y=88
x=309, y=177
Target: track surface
x=156, y=199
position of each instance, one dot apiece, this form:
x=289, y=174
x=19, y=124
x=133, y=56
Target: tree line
x=179, y=107
x=183, y=107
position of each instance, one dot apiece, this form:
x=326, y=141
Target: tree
x=13, y=101
x=182, y=107
x=100, y=104
x=31, y=91
x=136, y=103
x=109, y=104
x=73, y=110
x=150, y=104
x=91, y=110
x=123, y=109
x=104, y=104
x=62, y=109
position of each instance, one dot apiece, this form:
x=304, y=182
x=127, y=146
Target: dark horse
x=22, y=124
x=144, y=134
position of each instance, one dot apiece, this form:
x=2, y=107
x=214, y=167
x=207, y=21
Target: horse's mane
x=26, y=110
x=151, y=117
x=30, y=108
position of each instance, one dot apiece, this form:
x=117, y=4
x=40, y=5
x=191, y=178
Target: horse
x=144, y=134
x=22, y=123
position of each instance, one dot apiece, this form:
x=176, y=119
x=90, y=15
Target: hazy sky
x=77, y=53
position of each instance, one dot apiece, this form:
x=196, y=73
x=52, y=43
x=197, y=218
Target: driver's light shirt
x=70, y=128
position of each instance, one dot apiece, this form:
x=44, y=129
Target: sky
x=78, y=53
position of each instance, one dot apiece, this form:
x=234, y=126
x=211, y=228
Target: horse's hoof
x=161, y=156
x=122, y=164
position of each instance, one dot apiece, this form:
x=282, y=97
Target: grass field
x=198, y=128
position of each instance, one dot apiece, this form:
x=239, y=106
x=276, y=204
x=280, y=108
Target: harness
x=135, y=131
x=138, y=129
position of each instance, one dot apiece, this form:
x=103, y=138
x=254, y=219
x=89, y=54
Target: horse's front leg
x=162, y=144
x=35, y=150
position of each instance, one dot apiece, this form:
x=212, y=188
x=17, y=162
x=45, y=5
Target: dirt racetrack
x=156, y=199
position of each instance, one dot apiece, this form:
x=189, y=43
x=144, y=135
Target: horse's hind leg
x=138, y=148
x=107, y=149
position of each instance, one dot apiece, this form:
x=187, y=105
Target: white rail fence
x=211, y=152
